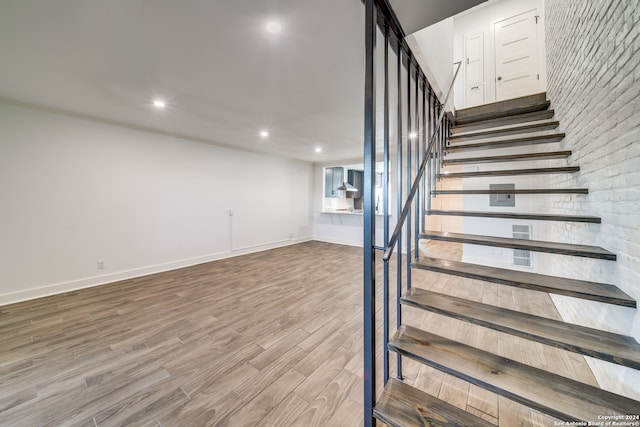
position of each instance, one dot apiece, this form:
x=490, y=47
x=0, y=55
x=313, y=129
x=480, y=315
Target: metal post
x=435, y=147
x=385, y=203
x=424, y=152
x=409, y=180
x=438, y=147
x=399, y=204
x=418, y=133
x=369, y=214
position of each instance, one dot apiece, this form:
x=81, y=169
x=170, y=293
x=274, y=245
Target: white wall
x=433, y=47
x=593, y=84
x=480, y=20
x=76, y=191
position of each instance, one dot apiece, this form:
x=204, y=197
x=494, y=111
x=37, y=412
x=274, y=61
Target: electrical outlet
x=232, y=212
x=291, y=234
x=100, y=264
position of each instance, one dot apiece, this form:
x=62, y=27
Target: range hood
x=347, y=187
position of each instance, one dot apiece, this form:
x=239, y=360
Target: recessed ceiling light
x=318, y=149
x=413, y=135
x=264, y=134
x=159, y=103
x=274, y=27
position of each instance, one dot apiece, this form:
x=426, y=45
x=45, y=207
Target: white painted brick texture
x=593, y=74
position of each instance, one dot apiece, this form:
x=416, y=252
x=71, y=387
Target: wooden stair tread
x=601, y=292
x=525, y=104
x=401, y=405
x=614, y=348
x=549, y=393
x=503, y=121
x=511, y=172
x=531, y=245
x=516, y=191
x=506, y=143
x=533, y=216
x=509, y=158
x=530, y=127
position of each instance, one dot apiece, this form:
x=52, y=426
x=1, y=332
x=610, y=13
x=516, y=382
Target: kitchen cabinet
x=356, y=178
x=333, y=178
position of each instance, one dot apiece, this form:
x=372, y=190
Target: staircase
x=480, y=131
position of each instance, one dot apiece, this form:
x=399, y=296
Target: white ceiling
x=414, y=15
x=223, y=76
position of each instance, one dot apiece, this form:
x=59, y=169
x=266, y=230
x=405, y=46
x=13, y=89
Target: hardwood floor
x=267, y=339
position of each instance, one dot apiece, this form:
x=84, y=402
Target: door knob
x=499, y=77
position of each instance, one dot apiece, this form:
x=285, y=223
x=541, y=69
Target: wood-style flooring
x=267, y=339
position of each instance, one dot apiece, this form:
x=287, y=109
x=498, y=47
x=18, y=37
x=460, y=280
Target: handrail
x=416, y=183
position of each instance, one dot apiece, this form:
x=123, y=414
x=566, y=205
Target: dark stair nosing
x=614, y=348
x=552, y=394
x=531, y=127
x=516, y=191
x=529, y=108
x=506, y=143
x=401, y=405
x=503, y=121
x=525, y=104
x=593, y=291
x=511, y=172
x=529, y=245
x=531, y=216
x=509, y=158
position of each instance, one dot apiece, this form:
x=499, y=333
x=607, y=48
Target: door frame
x=490, y=82
x=483, y=55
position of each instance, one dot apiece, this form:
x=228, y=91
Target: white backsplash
x=332, y=203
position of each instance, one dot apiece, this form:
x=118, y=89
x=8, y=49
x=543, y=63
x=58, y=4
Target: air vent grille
x=522, y=257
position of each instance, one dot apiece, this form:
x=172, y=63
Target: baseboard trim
x=89, y=282
x=337, y=241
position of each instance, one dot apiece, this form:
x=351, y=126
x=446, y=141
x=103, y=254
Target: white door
x=474, y=70
x=516, y=52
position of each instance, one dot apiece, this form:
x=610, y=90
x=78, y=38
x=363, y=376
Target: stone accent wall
x=593, y=74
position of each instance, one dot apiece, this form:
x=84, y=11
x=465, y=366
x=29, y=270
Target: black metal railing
x=421, y=128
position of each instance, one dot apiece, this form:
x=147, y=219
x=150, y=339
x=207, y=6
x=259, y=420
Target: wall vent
x=522, y=258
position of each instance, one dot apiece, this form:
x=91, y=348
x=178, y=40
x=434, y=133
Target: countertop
x=348, y=212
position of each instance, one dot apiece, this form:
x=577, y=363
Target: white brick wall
x=593, y=71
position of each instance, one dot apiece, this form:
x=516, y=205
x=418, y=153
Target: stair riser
x=531, y=286
x=504, y=121
x=549, y=393
x=485, y=385
x=523, y=334
x=500, y=109
x=504, y=215
x=608, y=257
x=504, y=132
x=501, y=144
x=402, y=405
x=542, y=171
x=509, y=158
x=515, y=191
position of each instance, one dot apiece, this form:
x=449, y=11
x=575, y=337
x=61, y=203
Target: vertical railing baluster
x=429, y=161
x=442, y=132
x=438, y=147
x=369, y=290
x=434, y=105
x=424, y=151
x=399, y=204
x=385, y=203
x=417, y=132
x=409, y=180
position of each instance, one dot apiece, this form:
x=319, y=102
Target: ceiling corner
x=414, y=15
